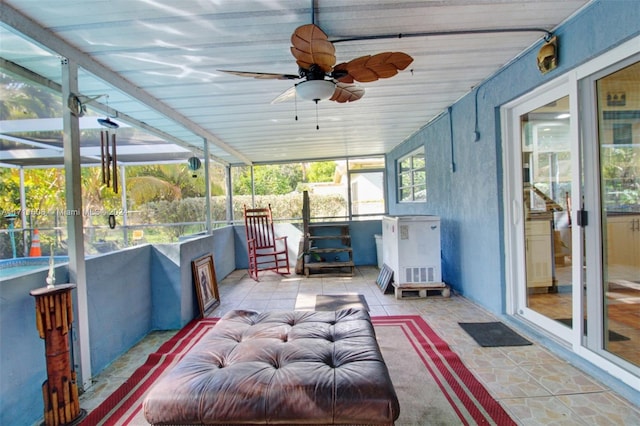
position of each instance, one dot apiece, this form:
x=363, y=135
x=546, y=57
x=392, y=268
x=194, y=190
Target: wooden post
x=54, y=318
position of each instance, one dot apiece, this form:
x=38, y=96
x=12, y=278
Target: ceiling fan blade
x=387, y=64
x=382, y=65
x=358, y=70
x=311, y=46
x=262, y=75
x=341, y=73
x=347, y=93
x=288, y=94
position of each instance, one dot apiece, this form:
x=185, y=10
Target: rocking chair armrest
x=284, y=238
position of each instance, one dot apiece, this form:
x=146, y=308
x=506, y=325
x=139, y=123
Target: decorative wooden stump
x=54, y=317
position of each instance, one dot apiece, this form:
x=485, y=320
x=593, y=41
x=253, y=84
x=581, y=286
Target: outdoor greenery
x=621, y=177
x=167, y=195
x=19, y=100
x=281, y=179
x=269, y=179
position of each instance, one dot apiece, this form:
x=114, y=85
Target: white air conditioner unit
x=411, y=248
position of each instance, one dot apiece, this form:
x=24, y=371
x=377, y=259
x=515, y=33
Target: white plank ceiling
x=159, y=62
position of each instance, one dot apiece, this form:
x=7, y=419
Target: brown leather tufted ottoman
x=319, y=368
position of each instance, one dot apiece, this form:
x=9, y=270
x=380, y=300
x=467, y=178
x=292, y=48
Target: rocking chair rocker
x=266, y=251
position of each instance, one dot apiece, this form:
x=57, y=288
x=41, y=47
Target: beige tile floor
x=534, y=385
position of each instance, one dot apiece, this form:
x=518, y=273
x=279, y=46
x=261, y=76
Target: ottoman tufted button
x=222, y=363
x=329, y=361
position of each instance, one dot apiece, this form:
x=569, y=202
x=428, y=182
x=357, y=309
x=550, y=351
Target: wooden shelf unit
x=328, y=249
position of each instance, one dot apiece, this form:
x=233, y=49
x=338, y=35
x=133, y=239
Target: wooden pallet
x=332, y=269
x=421, y=291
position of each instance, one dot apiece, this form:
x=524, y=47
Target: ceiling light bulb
x=315, y=90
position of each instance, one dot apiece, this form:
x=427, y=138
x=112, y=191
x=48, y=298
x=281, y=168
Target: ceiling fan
x=323, y=79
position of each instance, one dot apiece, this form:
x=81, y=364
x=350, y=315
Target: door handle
x=582, y=218
x=515, y=212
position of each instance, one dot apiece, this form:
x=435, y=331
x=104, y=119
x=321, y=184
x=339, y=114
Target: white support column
x=23, y=214
x=73, y=192
x=123, y=192
x=229, y=209
x=253, y=189
x=207, y=187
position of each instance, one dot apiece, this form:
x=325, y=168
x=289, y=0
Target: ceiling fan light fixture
x=315, y=90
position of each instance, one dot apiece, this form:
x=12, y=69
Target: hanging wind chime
x=108, y=155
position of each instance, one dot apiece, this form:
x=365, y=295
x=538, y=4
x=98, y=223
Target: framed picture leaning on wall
x=204, y=278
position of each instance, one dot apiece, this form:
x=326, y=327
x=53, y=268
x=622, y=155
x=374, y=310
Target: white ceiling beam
x=18, y=154
x=51, y=41
x=22, y=72
x=29, y=142
x=46, y=124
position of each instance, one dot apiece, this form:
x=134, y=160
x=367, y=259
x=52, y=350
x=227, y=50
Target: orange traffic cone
x=35, y=244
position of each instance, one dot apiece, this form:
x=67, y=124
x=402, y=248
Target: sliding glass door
x=572, y=211
x=616, y=141
x=546, y=209
x=542, y=183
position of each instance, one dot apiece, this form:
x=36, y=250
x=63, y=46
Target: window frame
x=410, y=174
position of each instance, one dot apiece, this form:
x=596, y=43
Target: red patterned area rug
x=433, y=385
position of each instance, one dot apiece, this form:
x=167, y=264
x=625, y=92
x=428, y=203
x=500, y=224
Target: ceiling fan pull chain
x=295, y=102
x=317, y=125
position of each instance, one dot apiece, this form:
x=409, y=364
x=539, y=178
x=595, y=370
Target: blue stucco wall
x=224, y=251
x=468, y=199
x=170, y=281
x=119, y=303
x=166, y=286
x=129, y=292
x=362, y=241
x=22, y=361
x=292, y=233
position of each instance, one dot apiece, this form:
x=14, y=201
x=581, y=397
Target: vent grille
x=421, y=274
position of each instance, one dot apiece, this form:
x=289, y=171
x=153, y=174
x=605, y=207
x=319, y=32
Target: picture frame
x=204, y=279
x=384, y=279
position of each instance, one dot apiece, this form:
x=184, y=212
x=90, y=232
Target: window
x=366, y=180
x=339, y=189
x=412, y=177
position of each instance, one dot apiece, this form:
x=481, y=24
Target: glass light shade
x=315, y=90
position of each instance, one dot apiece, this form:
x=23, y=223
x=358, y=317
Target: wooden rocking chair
x=266, y=251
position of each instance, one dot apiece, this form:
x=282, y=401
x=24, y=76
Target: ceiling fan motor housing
x=313, y=73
